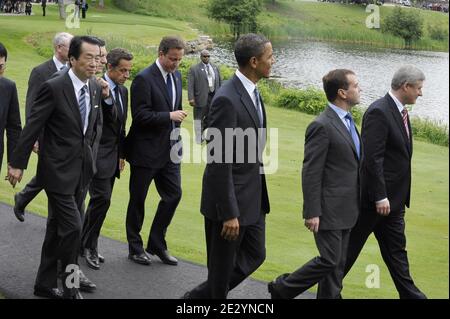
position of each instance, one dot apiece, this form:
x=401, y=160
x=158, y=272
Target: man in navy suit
x=9, y=109
x=386, y=178
x=157, y=113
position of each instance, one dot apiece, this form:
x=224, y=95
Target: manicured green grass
x=289, y=244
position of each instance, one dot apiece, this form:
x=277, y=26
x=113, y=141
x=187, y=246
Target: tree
x=241, y=15
x=404, y=23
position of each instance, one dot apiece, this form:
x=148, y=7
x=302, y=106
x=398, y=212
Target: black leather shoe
x=18, y=209
x=141, y=258
x=273, y=293
x=52, y=293
x=101, y=258
x=165, y=257
x=85, y=284
x=92, y=259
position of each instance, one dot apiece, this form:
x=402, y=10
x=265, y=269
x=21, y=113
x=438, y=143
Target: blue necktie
x=353, y=133
x=169, y=90
x=118, y=103
x=258, y=107
x=82, y=104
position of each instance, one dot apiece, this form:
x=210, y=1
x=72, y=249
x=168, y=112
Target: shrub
x=437, y=32
x=406, y=24
x=310, y=100
x=430, y=131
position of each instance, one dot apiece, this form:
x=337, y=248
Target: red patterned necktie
x=405, y=120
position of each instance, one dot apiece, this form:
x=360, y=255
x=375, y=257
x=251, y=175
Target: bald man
x=203, y=81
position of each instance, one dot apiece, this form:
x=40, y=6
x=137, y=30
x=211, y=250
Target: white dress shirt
x=164, y=75
x=58, y=63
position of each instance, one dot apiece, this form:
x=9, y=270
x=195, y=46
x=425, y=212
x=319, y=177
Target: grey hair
x=60, y=38
x=406, y=74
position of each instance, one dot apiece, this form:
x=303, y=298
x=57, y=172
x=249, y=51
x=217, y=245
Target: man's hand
x=312, y=224
x=192, y=102
x=121, y=164
x=230, y=229
x=178, y=116
x=36, y=147
x=14, y=175
x=105, y=87
x=383, y=207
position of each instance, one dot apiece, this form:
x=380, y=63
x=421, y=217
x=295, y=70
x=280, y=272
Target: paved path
x=119, y=278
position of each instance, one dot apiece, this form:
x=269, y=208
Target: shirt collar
x=399, y=104
x=112, y=84
x=340, y=112
x=163, y=72
x=58, y=63
x=77, y=83
x=248, y=85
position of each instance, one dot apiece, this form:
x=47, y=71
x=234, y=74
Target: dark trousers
x=43, y=11
x=230, y=262
x=31, y=190
x=390, y=234
x=62, y=238
x=168, y=184
x=100, y=191
x=327, y=269
x=201, y=119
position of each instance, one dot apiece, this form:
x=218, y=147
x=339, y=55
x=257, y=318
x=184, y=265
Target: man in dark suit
x=44, y=5
x=234, y=195
x=110, y=158
x=39, y=75
x=386, y=178
x=9, y=110
x=330, y=181
x=67, y=109
x=157, y=114
x=203, y=81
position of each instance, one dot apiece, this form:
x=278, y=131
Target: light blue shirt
x=77, y=86
x=341, y=113
x=112, y=86
x=58, y=63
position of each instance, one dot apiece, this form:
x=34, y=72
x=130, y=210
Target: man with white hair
x=386, y=178
x=38, y=76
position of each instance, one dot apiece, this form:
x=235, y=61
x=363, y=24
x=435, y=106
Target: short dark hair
x=115, y=55
x=3, y=52
x=76, y=43
x=101, y=42
x=170, y=42
x=335, y=80
x=247, y=46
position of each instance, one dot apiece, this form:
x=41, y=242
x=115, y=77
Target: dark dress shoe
x=165, y=257
x=141, y=258
x=92, y=259
x=273, y=293
x=85, y=284
x=101, y=258
x=18, y=210
x=52, y=293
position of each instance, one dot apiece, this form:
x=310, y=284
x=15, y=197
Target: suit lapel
x=341, y=128
x=93, y=94
x=246, y=100
x=69, y=93
x=177, y=89
x=399, y=120
x=161, y=83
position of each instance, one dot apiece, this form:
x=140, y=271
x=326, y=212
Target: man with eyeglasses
x=39, y=75
x=9, y=109
x=203, y=81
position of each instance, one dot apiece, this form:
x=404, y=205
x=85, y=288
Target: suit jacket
x=386, y=168
x=9, y=117
x=38, y=75
x=148, y=141
x=198, y=87
x=234, y=188
x=112, y=142
x=330, y=174
x=67, y=156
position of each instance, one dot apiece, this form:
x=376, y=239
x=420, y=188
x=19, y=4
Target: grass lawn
x=289, y=244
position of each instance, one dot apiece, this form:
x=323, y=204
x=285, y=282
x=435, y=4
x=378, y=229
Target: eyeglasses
x=2, y=67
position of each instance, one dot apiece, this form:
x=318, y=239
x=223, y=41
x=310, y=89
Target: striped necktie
x=405, y=120
x=82, y=104
x=353, y=134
